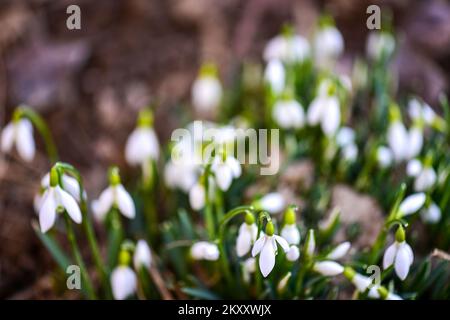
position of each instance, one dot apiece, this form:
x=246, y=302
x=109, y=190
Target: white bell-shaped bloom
x=380, y=44
x=412, y=203
x=225, y=171
x=432, y=214
x=114, y=196
x=123, y=282
x=288, y=114
x=385, y=157
x=246, y=236
x=328, y=46
x=180, y=175
x=293, y=254
x=328, y=268
x=288, y=49
x=339, y=251
x=142, y=255
x=361, y=282
x=345, y=136
x=415, y=142
x=204, y=250
x=425, y=179
x=206, y=93
x=350, y=152
x=325, y=109
x=310, y=243
x=70, y=184
x=291, y=234
x=421, y=111
x=398, y=139
x=197, y=196
x=20, y=134
x=53, y=200
x=248, y=268
x=275, y=75
x=142, y=145
x=401, y=256
x=266, y=247
x=272, y=202
x=413, y=168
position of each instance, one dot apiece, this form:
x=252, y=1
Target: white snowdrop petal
x=224, y=177
x=293, y=253
x=412, y=203
x=413, y=168
x=235, y=166
x=206, y=94
x=267, y=258
x=142, y=255
x=384, y=157
x=69, y=203
x=340, y=251
x=425, y=180
x=47, y=213
x=275, y=75
x=282, y=242
x=123, y=282
x=331, y=116
x=328, y=268
x=272, y=202
x=315, y=111
x=197, y=197
x=361, y=282
x=402, y=262
x=415, y=142
x=244, y=240
x=7, y=137
x=258, y=245
x=345, y=136
x=389, y=256
x=71, y=185
x=409, y=252
x=124, y=202
x=24, y=140
x=104, y=203
x=432, y=214
x=397, y=137
x=291, y=233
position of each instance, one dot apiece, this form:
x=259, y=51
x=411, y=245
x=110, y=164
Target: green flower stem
x=79, y=259
x=43, y=130
x=231, y=214
x=115, y=237
x=219, y=204
x=209, y=216
x=87, y=226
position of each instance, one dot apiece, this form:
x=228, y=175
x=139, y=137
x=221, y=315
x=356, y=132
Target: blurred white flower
x=291, y=233
x=350, y=152
x=248, y=267
x=283, y=282
x=339, y=251
x=142, y=146
x=204, y=250
x=374, y=293
x=70, y=184
x=247, y=235
x=380, y=44
x=432, y=214
x=412, y=204
x=225, y=171
x=413, y=167
x=266, y=247
x=272, y=202
x=384, y=157
x=182, y=175
x=328, y=46
x=425, y=176
x=142, y=255
x=328, y=268
x=275, y=75
x=293, y=253
x=398, y=137
x=421, y=111
x=310, y=243
x=123, y=282
x=362, y=283
x=53, y=200
x=288, y=114
x=114, y=196
x=325, y=109
x=345, y=136
x=287, y=48
x=206, y=92
x=19, y=133
x=197, y=196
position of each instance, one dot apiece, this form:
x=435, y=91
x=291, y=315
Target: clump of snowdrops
x=185, y=228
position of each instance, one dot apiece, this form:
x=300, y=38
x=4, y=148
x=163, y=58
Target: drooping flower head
x=142, y=257
x=328, y=44
x=203, y=250
x=19, y=132
x=288, y=47
x=207, y=90
x=290, y=231
x=247, y=235
x=123, y=278
x=399, y=254
x=115, y=196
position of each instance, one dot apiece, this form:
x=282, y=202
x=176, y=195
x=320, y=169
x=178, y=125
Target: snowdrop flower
x=225, y=168
x=328, y=46
x=328, y=268
x=19, y=132
x=345, y=136
x=293, y=253
x=283, y=282
x=339, y=251
x=142, y=144
x=288, y=114
x=412, y=204
x=266, y=247
x=207, y=90
x=397, y=137
x=310, y=244
x=180, y=175
x=115, y=196
x=385, y=157
x=325, y=110
x=287, y=48
x=379, y=45
x=399, y=254
x=275, y=75
x=247, y=235
x=204, y=250
x=248, y=268
x=142, y=255
x=197, y=196
x=54, y=200
x=425, y=176
x=432, y=214
x=350, y=152
x=377, y=292
x=420, y=111
x=70, y=184
x=272, y=202
x=123, y=278
x=362, y=283
x=290, y=231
